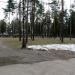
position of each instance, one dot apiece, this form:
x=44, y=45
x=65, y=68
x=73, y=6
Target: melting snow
x=70, y=47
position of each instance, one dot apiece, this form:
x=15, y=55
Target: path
x=33, y=62
x=57, y=67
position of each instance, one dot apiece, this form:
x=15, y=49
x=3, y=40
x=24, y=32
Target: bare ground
x=10, y=56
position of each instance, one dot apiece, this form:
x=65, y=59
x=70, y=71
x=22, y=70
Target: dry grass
x=15, y=43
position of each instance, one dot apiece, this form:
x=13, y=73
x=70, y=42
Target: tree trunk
x=23, y=40
x=20, y=32
x=33, y=18
x=62, y=22
x=70, y=23
x=70, y=29
x=27, y=22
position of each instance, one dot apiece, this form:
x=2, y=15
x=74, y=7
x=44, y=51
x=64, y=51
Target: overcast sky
x=3, y=5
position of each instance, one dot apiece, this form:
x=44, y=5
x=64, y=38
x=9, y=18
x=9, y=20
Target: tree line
x=33, y=21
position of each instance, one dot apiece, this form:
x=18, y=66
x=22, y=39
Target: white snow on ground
x=70, y=47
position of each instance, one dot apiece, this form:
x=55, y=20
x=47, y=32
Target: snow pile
x=70, y=47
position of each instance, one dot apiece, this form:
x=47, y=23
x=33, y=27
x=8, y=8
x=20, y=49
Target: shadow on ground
x=36, y=56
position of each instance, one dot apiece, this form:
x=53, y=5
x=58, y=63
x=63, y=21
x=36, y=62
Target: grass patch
x=15, y=43
x=11, y=42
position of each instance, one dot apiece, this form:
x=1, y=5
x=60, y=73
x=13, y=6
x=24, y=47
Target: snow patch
x=70, y=47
